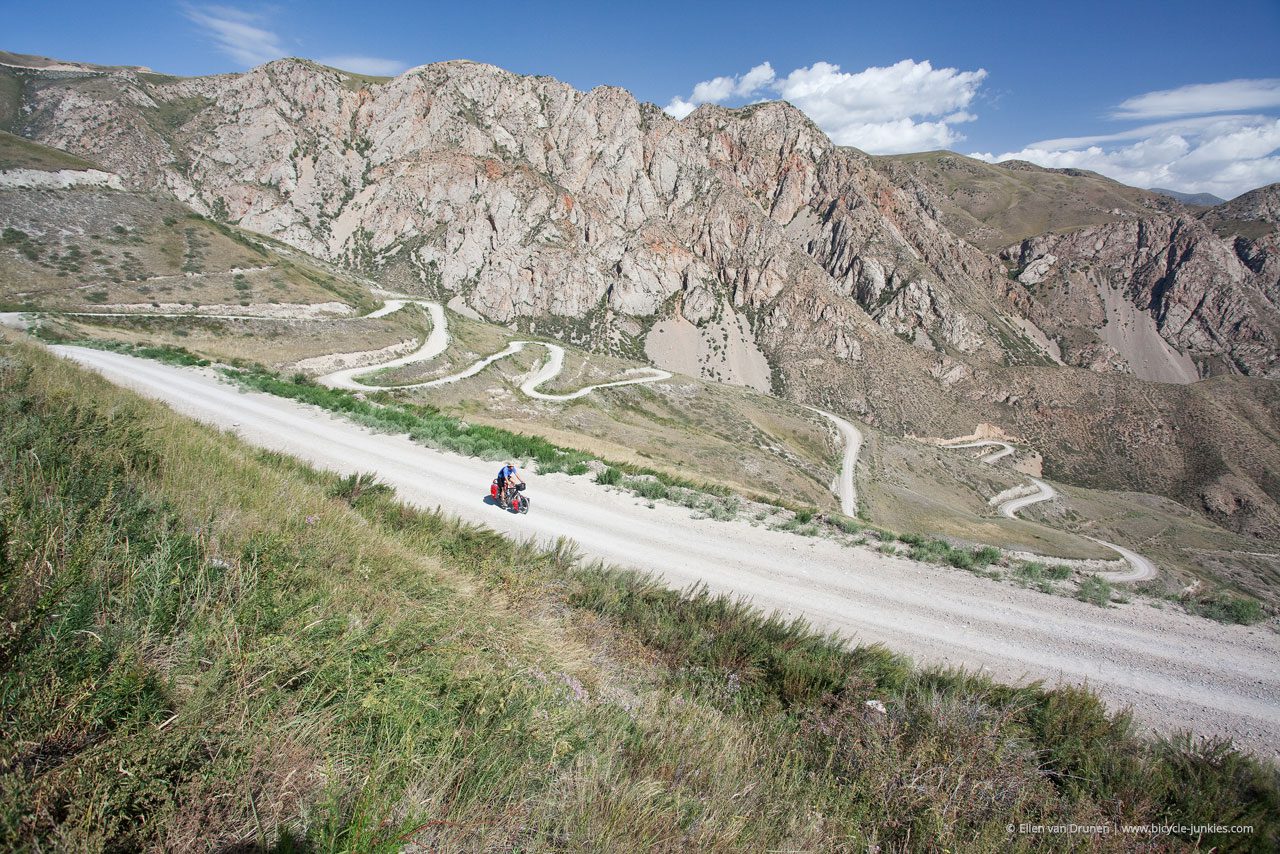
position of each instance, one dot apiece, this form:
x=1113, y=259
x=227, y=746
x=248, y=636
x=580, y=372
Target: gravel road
x=1175, y=670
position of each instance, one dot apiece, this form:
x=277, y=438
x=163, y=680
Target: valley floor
x=1175, y=670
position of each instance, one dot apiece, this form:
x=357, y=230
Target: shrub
x=160, y=352
x=986, y=555
x=1095, y=590
x=610, y=476
x=653, y=490
x=1058, y=572
x=354, y=487
x=723, y=509
x=847, y=525
x=1226, y=608
x=1031, y=570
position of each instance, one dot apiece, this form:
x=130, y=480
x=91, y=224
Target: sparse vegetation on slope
x=430, y=426
x=75, y=249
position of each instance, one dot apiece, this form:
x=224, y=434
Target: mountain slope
x=1162, y=297
x=744, y=234
x=994, y=205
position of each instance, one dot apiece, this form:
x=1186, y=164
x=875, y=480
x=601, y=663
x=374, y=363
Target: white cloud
x=755, y=79
x=897, y=136
x=245, y=38
x=719, y=89
x=1223, y=155
x=907, y=88
x=1181, y=126
x=1229, y=96
x=679, y=107
x=875, y=109
x=903, y=107
x=714, y=90
x=238, y=34
x=372, y=65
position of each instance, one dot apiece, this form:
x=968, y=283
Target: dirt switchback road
x=1174, y=669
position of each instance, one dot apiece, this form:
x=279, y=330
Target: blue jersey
x=506, y=472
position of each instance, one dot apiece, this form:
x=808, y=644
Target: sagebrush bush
x=1095, y=591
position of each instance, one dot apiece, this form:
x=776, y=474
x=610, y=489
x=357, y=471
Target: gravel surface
x=845, y=485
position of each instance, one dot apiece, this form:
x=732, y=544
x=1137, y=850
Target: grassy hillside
x=19, y=153
x=997, y=205
x=206, y=646
x=11, y=86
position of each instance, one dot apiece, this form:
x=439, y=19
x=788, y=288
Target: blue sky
x=1064, y=84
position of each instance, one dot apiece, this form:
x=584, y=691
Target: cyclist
x=506, y=475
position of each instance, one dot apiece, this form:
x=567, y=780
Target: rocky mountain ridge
x=528, y=199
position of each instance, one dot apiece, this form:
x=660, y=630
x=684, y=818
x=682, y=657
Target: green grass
x=210, y=646
x=422, y=423
x=11, y=94
x=1035, y=571
x=1226, y=608
x=19, y=153
x=430, y=426
x=807, y=689
x=186, y=683
x=650, y=488
x=846, y=525
x=942, y=552
x=160, y=353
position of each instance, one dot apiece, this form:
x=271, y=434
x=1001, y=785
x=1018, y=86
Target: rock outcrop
x=1170, y=297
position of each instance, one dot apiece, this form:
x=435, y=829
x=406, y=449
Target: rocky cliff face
x=609, y=223
x=1162, y=297
x=526, y=198
x=1260, y=205
x=1252, y=223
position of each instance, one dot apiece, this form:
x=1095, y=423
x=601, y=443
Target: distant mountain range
x=923, y=293
x=1203, y=200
